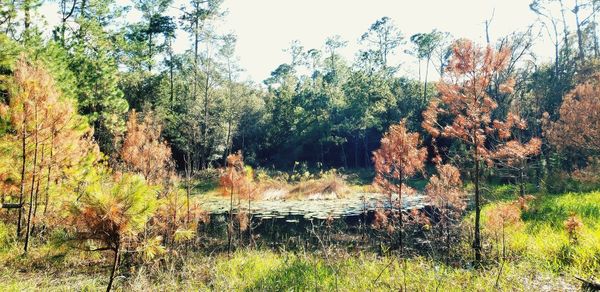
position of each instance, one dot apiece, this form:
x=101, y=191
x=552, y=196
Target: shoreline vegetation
x=539, y=255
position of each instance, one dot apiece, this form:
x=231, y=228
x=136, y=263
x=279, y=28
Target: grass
x=540, y=256
x=543, y=240
x=272, y=271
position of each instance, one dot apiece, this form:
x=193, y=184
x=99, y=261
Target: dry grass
x=329, y=186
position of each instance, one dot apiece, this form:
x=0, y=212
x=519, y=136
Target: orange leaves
x=398, y=158
x=513, y=152
x=445, y=189
x=381, y=220
x=144, y=150
x=430, y=117
x=573, y=226
x=523, y=202
x=235, y=180
x=503, y=215
x=464, y=98
x=508, y=86
x=578, y=126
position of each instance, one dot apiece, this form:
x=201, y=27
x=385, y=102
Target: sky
x=264, y=28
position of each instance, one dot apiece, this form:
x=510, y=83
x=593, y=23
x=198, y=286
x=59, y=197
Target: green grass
x=543, y=240
x=272, y=271
x=554, y=209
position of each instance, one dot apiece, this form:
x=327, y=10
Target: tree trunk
x=400, y=217
x=188, y=179
x=27, y=15
x=581, y=55
x=522, y=180
x=477, y=239
x=114, y=267
x=33, y=176
x=344, y=158
x=426, y=75
x=230, y=224
x=228, y=137
x=595, y=34
x=171, y=91
x=49, y=173
x=355, y=152
x=37, y=190
x=565, y=29
x=23, y=161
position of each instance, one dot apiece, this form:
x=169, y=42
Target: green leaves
x=115, y=207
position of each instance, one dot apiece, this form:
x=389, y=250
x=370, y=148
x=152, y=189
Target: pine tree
x=398, y=159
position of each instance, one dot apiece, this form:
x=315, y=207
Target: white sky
x=266, y=27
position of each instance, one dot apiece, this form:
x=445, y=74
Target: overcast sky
x=266, y=27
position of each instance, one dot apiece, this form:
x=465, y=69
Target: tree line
x=318, y=107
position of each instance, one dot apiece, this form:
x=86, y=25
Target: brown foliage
x=445, y=189
x=398, y=158
x=144, y=150
x=523, y=202
x=514, y=152
x=171, y=215
x=503, y=215
x=381, y=219
x=464, y=97
x=328, y=185
x=573, y=226
x=235, y=180
x=578, y=127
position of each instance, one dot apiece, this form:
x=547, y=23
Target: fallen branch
x=589, y=284
x=11, y=205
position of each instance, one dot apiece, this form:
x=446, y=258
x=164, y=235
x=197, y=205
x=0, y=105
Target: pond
x=351, y=205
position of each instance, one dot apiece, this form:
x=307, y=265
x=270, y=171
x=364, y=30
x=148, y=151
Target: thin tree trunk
x=228, y=137
x=447, y=227
x=355, y=152
x=581, y=55
x=426, y=75
x=366, y=142
x=33, y=176
x=27, y=17
x=522, y=180
x=595, y=33
x=400, y=216
x=420, y=85
x=205, y=151
x=230, y=225
x=565, y=29
x=114, y=267
x=37, y=189
x=188, y=191
x=23, y=161
x=477, y=239
x=171, y=91
x=49, y=173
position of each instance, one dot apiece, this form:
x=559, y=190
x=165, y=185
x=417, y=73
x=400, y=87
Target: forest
x=129, y=163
